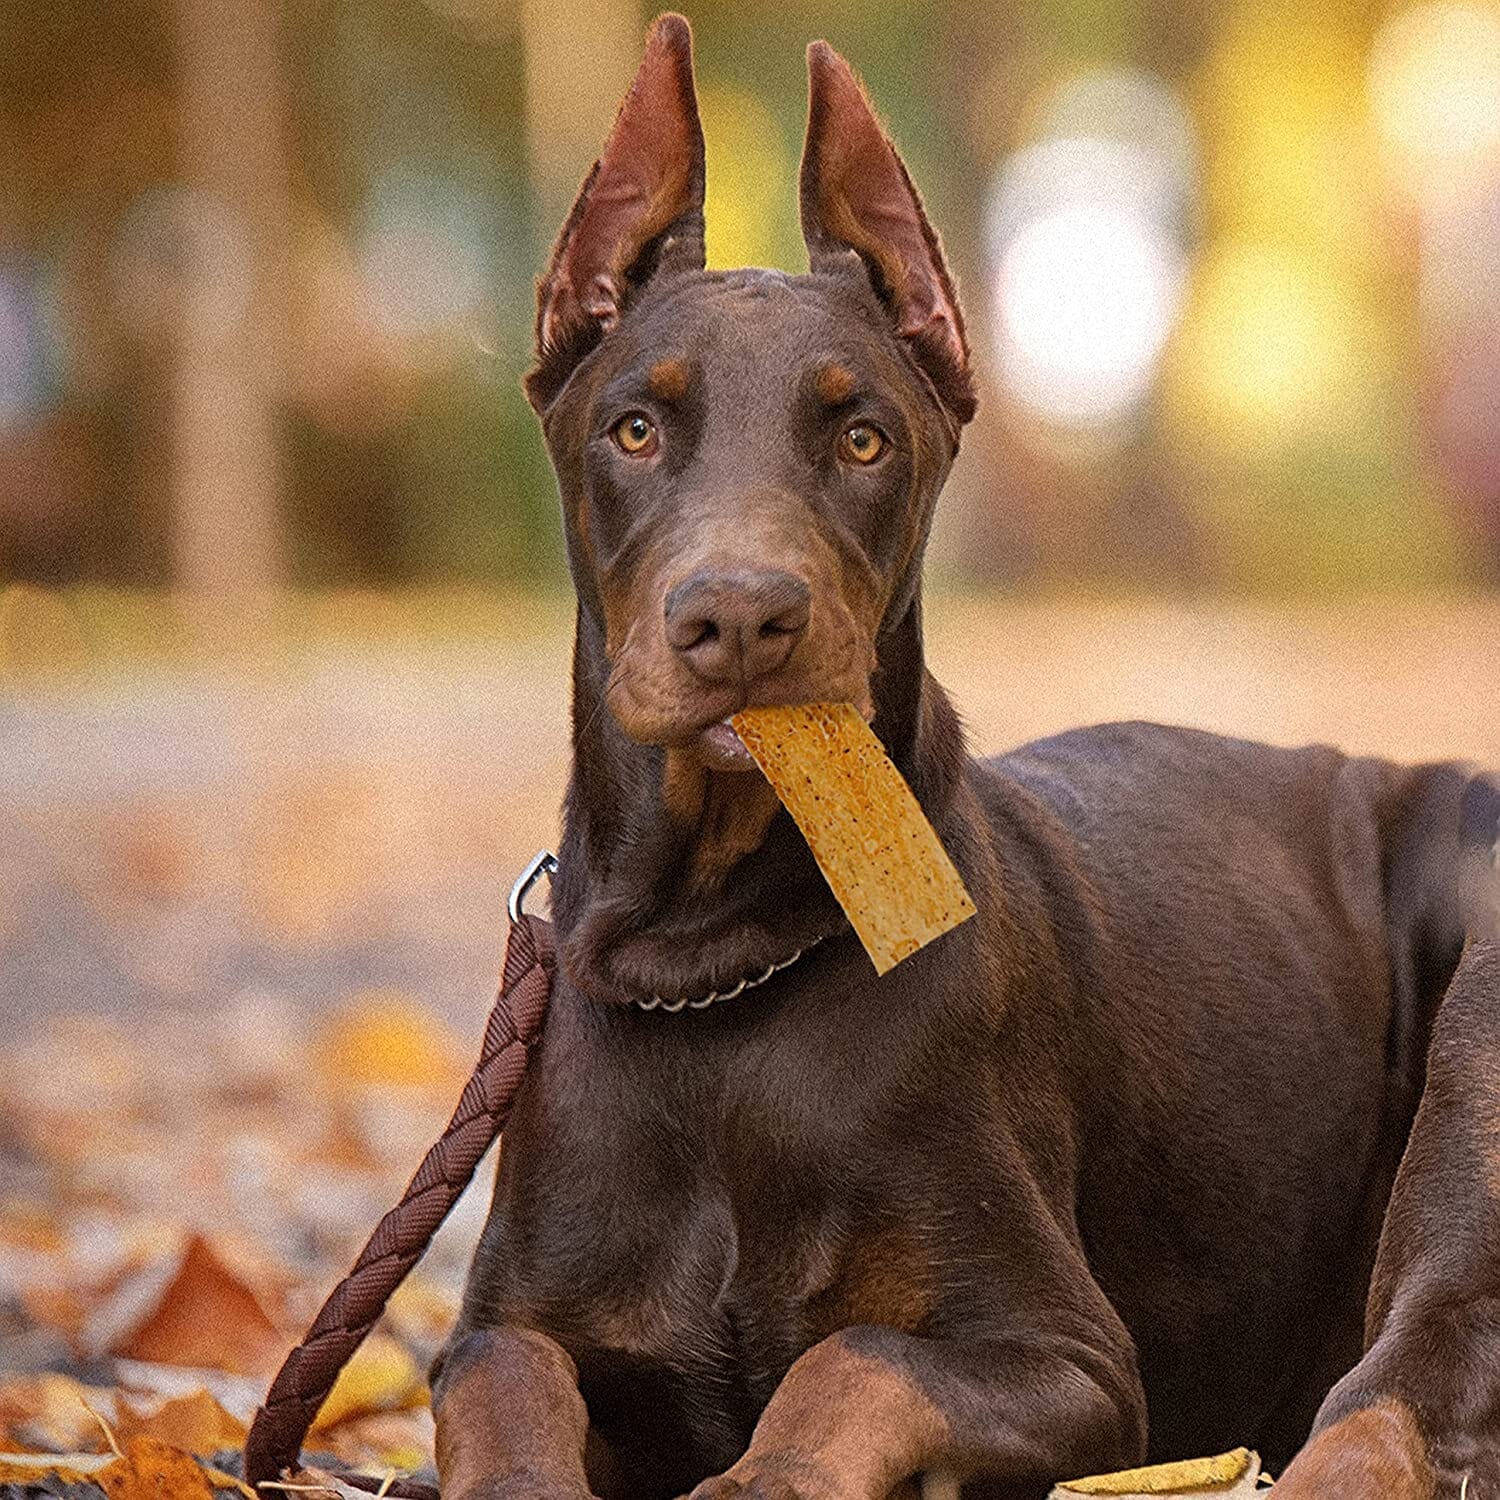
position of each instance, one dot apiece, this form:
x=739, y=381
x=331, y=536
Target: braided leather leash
x=306, y=1376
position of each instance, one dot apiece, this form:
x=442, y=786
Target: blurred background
x=266, y=274
x=283, y=622
x=283, y=615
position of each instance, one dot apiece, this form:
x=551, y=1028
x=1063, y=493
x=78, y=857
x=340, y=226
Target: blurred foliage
x=1230, y=269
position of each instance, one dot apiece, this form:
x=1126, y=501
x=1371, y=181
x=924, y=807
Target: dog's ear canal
x=638, y=214
x=857, y=195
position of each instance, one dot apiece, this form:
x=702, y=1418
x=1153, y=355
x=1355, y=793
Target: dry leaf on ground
x=53, y=1413
x=72, y=1468
x=197, y=1423
x=380, y=1376
x=1229, y=1476
x=153, y=1470
x=205, y=1315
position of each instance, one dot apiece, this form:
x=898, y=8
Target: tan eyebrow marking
x=833, y=383
x=667, y=379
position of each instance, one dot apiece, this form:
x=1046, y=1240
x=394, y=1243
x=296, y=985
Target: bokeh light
x=1204, y=253
x=1086, y=228
x=1085, y=297
x=1275, y=351
x=1435, y=92
x=1291, y=157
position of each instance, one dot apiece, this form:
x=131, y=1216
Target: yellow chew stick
x=869, y=835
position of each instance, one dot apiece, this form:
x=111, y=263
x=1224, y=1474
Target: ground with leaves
x=250, y=920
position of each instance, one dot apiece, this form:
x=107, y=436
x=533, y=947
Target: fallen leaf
x=52, y=1412
x=420, y=1309
x=146, y=1385
x=195, y=1423
x=401, y=1440
x=205, y=1315
x=63, y=1309
x=384, y=1038
x=380, y=1376
x=1226, y=1475
x=28, y=1226
x=153, y=1470
x=313, y=1482
x=222, y=1481
x=71, y=1468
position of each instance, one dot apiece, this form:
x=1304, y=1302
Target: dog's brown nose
x=737, y=625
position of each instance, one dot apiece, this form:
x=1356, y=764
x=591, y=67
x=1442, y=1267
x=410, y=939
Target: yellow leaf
x=384, y=1038
x=1188, y=1477
x=381, y=1376
x=71, y=1468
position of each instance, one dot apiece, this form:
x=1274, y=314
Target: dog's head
x=748, y=460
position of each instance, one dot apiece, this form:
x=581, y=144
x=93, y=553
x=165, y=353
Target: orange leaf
x=383, y=1037
x=206, y=1316
x=195, y=1423
x=153, y=1470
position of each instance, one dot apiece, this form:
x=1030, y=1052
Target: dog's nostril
x=736, y=623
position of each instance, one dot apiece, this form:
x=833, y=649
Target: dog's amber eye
x=861, y=444
x=636, y=434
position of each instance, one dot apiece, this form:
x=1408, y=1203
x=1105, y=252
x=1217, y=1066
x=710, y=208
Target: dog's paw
x=784, y=1477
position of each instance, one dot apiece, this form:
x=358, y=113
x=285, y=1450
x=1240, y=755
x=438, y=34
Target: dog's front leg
x=511, y=1424
x=1419, y=1416
x=869, y=1408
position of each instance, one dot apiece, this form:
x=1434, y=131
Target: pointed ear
x=857, y=195
x=639, y=212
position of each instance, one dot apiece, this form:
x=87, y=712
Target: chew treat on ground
x=1228, y=1475
x=867, y=832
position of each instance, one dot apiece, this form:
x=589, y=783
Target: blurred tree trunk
x=226, y=468
x=580, y=58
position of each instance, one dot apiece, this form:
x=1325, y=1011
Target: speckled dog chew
x=867, y=832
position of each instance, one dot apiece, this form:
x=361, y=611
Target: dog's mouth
x=721, y=749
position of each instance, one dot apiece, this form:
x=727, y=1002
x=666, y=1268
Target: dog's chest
x=693, y=1347
x=686, y=1243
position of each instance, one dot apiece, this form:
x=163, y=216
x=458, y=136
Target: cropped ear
x=858, y=196
x=639, y=212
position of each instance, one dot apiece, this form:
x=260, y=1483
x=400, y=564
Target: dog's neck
x=663, y=893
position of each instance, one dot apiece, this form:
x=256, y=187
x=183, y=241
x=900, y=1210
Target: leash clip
x=543, y=862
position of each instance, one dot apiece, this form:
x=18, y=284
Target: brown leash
x=306, y=1376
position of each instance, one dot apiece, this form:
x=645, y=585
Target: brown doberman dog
x=1106, y=1173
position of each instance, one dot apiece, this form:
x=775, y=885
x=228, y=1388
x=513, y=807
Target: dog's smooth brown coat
x=1099, y=1176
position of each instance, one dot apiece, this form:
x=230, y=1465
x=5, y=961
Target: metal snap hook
x=543, y=862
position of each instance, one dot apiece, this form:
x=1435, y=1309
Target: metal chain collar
x=545, y=863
